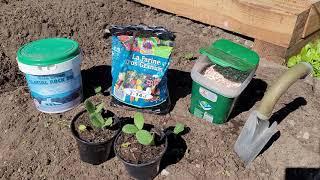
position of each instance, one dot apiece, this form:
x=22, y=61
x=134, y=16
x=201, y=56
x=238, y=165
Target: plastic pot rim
x=73, y=131
x=144, y=164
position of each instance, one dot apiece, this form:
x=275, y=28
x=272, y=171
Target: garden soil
x=35, y=145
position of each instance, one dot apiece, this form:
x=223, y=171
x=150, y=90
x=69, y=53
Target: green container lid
x=49, y=51
x=228, y=54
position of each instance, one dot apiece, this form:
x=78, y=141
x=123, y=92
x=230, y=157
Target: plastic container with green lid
x=212, y=100
x=52, y=70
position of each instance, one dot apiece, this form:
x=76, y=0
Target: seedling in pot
x=94, y=133
x=141, y=151
x=144, y=137
x=95, y=115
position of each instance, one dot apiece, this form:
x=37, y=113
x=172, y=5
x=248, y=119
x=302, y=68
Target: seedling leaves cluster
x=309, y=53
x=82, y=127
x=98, y=90
x=95, y=116
x=143, y=136
x=178, y=128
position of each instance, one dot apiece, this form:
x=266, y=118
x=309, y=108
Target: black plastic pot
x=93, y=153
x=143, y=171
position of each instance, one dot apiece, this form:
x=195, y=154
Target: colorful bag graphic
x=140, y=60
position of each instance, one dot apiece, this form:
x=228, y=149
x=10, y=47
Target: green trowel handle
x=283, y=83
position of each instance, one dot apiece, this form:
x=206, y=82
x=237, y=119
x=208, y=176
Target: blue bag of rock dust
x=141, y=56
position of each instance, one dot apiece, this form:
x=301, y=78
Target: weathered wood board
x=280, y=22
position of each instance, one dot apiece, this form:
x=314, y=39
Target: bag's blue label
x=138, y=74
x=57, y=92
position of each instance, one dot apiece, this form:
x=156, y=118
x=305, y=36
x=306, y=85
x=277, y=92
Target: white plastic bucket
x=55, y=88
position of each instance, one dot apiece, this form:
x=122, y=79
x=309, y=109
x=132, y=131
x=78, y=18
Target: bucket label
x=208, y=117
x=208, y=94
x=205, y=106
x=198, y=113
x=56, y=92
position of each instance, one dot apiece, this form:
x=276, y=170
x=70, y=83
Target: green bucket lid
x=49, y=51
x=228, y=54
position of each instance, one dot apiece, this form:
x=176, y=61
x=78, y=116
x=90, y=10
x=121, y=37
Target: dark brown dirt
x=93, y=134
x=34, y=145
x=137, y=153
x=10, y=77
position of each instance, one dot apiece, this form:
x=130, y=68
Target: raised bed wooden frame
x=279, y=27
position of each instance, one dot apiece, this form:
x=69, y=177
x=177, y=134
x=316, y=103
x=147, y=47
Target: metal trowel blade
x=253, y=137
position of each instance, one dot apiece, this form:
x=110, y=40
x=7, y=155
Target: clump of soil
x=227, y=76
x=10, y=77
x=137, y=153
x=93, y=134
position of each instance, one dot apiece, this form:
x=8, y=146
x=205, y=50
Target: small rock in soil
x=206, y=30
x=164, y=172
x=291, y=122
x=306, y=135
x=248, y=43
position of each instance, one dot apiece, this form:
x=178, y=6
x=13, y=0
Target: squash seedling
x=95, y=116
x=178, y=128
x=144, y=137
x=98, y=89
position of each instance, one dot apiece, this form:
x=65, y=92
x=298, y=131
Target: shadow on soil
x=119, y=124
x=94, y=77
x=251, y=94
x=287, y=109
x=302, y=173
x=176, y=148
x=179, y=84
x=280, y=115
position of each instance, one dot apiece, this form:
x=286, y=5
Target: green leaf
x=82, y=127
x=89, y=106
x=125, y=145
x=318, y=45
x=97, y=89
x=97, y=120
x=100, y=118
x=292, y=61
x=138, y=120
x=144, y=137
x=99, y=108
x=178, y=128
x=108, y=122
x=188, y=56
x=309, y=53
x=129, y=129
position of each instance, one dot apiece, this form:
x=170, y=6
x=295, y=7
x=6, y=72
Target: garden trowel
x=257, y=130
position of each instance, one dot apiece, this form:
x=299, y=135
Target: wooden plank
x=281, y=54
x=257, y=19
x=270, y=51
x=295, y=49
x=313, y=21
x=281, y=6
x=299, y=27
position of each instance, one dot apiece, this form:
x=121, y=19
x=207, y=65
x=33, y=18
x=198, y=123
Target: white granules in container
x=212, y=74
